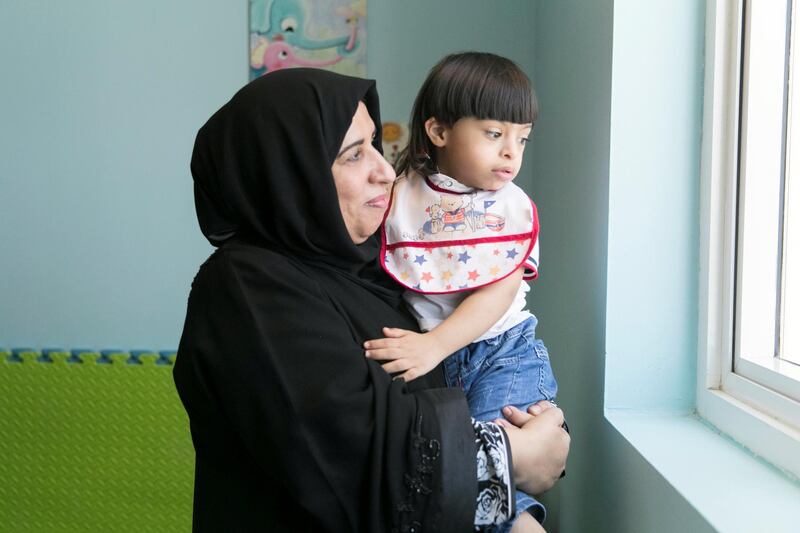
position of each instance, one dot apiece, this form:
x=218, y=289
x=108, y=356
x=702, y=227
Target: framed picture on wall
x=328, y=34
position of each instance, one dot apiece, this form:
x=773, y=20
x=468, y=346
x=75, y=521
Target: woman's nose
x=382, y=171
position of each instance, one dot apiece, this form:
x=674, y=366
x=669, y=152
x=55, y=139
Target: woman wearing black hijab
x=294, y=429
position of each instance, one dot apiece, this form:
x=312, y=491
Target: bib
x=439, y=236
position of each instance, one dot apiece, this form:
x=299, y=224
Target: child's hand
x=414, y=354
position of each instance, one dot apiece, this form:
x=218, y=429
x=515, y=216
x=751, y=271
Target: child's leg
x=510, y=369
x=525, y=523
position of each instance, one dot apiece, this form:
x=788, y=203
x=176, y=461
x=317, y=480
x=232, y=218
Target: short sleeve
x=531, y=265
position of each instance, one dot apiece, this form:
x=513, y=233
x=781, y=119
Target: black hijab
x=262, y=166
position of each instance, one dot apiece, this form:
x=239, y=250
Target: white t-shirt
x=430, y=310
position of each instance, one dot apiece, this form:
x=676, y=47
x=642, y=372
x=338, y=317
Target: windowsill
x=728, y=486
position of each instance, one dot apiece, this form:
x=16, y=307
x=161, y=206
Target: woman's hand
x=413, y=354
x=539, y=445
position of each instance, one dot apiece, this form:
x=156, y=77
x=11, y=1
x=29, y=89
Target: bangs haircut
x=483, y=86
x=470, y=84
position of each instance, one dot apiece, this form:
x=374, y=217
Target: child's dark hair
x=468, y=84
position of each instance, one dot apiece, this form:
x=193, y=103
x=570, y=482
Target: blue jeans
x=512, y=368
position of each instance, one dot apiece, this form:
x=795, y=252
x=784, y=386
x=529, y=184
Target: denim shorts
x=512, y=368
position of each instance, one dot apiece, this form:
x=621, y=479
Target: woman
x=294, y=429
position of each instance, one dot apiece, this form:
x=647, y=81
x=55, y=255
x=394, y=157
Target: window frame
x=762, y=420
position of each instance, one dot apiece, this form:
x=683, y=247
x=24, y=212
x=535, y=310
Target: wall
x=570, y=186
x=620, y=84
x=100, y=103
x=98, y=119
x=656, y=126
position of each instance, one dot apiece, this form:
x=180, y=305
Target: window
x=749, y=373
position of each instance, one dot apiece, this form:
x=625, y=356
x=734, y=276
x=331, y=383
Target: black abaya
x=294, y=429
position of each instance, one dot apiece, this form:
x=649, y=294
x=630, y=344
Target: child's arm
x=416, y=354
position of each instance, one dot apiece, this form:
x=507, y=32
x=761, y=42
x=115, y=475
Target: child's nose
x=511, y=150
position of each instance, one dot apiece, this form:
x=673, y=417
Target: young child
x=463, y=240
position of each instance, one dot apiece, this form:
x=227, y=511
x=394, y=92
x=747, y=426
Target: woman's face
x=363, y=178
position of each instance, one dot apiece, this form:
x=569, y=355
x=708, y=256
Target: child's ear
x=437, y=132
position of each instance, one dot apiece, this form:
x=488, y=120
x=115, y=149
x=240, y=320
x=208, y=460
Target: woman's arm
x=415, y=354
x=539, y=447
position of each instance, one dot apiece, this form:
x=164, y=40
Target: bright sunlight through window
x=767, y=330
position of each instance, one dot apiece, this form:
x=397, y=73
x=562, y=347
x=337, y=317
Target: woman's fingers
x=502, y=422
x=539, y=407
x=515, y=416
x=520, y=418
x=553, y=414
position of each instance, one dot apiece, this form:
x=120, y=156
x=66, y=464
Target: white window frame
x=762, y=420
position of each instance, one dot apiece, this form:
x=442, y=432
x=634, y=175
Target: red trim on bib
x=467, y=242
x=454, y=258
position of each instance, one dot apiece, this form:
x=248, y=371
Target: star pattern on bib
x=454, y=267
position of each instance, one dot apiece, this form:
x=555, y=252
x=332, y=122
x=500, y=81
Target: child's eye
x=494, y=134
x=523, y=141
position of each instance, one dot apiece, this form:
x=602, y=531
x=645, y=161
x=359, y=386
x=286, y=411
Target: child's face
x=483, y=154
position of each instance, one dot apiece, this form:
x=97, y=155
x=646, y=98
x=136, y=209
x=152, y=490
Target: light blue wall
x=570, y=187
x=656, y=125
x=615, y=176
x=100, y=102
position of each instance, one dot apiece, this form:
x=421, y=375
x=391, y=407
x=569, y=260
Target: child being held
x=463, y=240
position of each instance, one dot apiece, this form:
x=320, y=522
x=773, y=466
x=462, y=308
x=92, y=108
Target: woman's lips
x=381, y=201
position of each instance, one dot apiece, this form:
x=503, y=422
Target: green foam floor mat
x=86, y=446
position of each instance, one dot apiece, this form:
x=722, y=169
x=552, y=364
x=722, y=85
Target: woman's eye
x=354, y=156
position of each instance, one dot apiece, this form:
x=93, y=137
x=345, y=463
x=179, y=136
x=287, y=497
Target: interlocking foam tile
x=88, y=447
